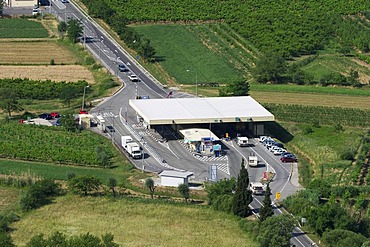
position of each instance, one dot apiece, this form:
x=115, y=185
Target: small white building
x=174, y=178
x=20, y=3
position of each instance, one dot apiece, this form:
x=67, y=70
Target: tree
x=9, y=101
x=74, y=30
x=242, y=196
x=103, y=156
x=67, y=94
x=184, y=191
x=149, y=184
x=112, y=183
x=269, y=68
x=68, y=122
x=345, y=49
x=39, y=194
x=62, y=27
x=266, y=209
x=238, y=88
x=343, y=238
x=84, y=184
x=276, y=231
x=146, y=50
x=222, y=187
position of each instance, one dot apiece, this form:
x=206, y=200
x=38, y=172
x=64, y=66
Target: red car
x=83, y=112
x=288, y=159
x=55, y=115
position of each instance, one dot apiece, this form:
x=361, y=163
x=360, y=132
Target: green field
x=324, y=148
x=22, y=28
x=184, y=57
x=134, y=222
x=60, y=172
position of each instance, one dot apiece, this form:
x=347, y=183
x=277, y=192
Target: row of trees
x=233, y=196
x=105, y=11
x=24, y=88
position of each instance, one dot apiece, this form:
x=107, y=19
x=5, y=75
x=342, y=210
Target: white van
x=242, y=141
x=257, y=188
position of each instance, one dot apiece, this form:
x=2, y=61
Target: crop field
x=185, y=58
x=34, y=53
x=48, y=72
x=133, y=222
x=22, y=28
x=59, y=172
x=312, y=99
x=55, y=145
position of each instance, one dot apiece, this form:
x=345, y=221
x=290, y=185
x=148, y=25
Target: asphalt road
x=171, y=154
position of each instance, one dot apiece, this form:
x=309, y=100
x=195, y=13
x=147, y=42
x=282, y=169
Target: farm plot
x=22, y=28
x=344, y=101
x=44, y=72
x=183, y=55
x=37, y=52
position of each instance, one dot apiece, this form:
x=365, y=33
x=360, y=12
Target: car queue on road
x=277, y=148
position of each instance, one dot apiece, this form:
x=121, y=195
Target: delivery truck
x=131, y=147
x=134, y=150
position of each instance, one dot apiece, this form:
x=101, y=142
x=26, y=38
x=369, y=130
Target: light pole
x=116, y=63
x=196, y=83
x=101, y=45
x=83, y=97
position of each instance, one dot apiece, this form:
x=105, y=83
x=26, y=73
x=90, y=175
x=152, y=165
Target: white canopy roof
x=201, y=110
x=196, y=135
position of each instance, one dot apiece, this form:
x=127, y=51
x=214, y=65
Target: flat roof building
x=200, y=110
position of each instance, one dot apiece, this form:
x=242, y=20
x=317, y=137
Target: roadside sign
x=277, y=196
x=265, y=176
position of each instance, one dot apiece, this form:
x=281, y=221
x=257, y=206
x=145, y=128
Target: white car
x=262, y=138
x=279, y=151
x=133, y=78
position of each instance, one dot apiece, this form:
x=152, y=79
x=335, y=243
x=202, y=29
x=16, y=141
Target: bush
x=59, y=239
x=307, y=131
x=39, y=194
x=343, y=238
x=348, y=155
x=6, y=240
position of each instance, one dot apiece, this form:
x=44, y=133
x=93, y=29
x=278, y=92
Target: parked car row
x=277, y=148
x=49, y=116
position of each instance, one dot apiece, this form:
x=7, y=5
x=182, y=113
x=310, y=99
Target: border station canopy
x=200, y=110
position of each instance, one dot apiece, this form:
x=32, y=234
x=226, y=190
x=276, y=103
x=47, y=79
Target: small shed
x=174, y=178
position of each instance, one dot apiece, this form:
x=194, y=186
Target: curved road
x=169, y=154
